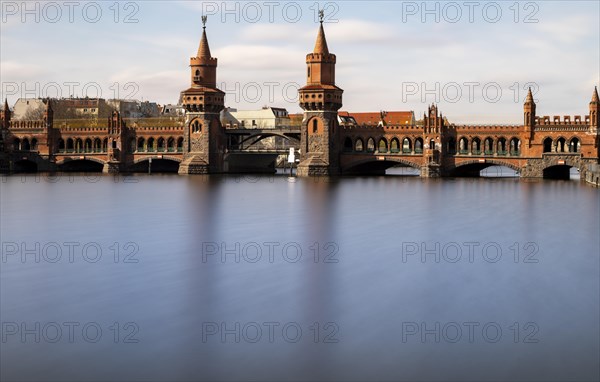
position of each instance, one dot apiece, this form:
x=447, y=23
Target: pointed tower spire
x=321, y=44
x=595, y=95
x=204, y=49
x=529, y=96
x=594, y=110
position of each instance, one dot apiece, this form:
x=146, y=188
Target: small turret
x=529, y=111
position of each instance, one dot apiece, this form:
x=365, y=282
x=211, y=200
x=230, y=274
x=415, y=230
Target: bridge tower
x=116, y=143
x=594, y=111
x=203, y=136
x=433, y=124
x=528, y=120
x=320, y=99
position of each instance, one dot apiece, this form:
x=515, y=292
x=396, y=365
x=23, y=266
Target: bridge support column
x=194, y=165
x=111, y=168
x=431, y=171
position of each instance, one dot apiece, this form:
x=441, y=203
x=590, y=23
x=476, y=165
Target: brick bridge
x=198, y=143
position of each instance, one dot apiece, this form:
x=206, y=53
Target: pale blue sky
x=385, y=51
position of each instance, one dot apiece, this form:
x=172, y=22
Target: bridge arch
x=157, y=157
x=166, y=164
x=25, y=166
x=374, y=166
x=553, y=169
x=91, y=159
x=90, y=164
x=473, y=168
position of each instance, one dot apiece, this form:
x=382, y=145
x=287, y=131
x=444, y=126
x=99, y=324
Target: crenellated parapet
x=562, y=120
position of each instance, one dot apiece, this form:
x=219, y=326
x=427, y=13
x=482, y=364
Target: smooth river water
x=178, y=278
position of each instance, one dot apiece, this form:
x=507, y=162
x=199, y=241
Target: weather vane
x=204, y=18
x=321, y=15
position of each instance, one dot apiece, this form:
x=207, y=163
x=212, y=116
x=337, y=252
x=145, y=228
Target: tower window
x=315, y=125
x=196, y=127
x=308, y=72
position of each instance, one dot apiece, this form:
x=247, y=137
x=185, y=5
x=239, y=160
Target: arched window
x=574, y=145
x=501, y=146
x=34, y=144
x=382, y=146
x=196, y=127
x=161, y=145
x=432, y=144
x=560, y=145
x=463, y=146
x=347, y=144
x=150, y=145
x=180, y=145
x=97, y=145
x=70, y=145
x=141, y=144
x=61, y=145
x=476, y=146
x=105, y=145
x=394, y=145
x=170, y=145
x=406, y=146
x=515, y=146
x=547, y=145
x=370, y=145
x=418, y=145
x=17, y=144
x=488, y=146
x=358, y=146
x=25, y=146
x=78, y=145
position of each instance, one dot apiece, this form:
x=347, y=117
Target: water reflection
x=397, y=241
